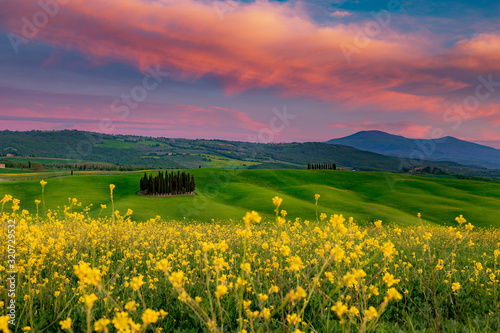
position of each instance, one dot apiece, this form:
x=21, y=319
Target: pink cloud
x=210, y=120
x=340, y=13
x=264, y=45
x=479, y=53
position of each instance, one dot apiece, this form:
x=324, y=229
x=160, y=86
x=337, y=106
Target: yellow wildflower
x=6, y=198
x=131, y=306
x=65, y=324
x=221, y=291
x=265, y=313
x=122, y=322
x=137, y=282
x=273, y=289
x=354, y=311
x=460, y=219
x=277, y=201
x=245, y=267
x=371, y=313
x=339, y=308
x=4, y=324
x=293, y=319
x=150, y=316
x=392, y=293
x=297, y=294
x=86, y=274
x=252, y=217
x=285, y=250
x=177, y=279
x=296, y=263
x=389, y=279
x=90, y=299
x=101, y=324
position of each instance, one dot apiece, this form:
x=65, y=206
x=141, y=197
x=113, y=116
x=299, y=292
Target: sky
x=262, y=71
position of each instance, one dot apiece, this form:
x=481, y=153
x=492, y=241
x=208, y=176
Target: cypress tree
x=168, y=183
x=163, y=184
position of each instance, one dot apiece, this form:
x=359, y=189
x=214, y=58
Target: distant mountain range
x=445, y=149
x=138, y=151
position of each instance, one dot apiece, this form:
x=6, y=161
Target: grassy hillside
x=185, y=153
x=228, y=194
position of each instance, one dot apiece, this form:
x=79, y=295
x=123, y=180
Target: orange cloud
x=479, y=53
x=262, y=45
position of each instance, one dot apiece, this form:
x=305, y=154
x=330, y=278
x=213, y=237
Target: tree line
x=173, y=183
x=321, y=166
x=36, y=166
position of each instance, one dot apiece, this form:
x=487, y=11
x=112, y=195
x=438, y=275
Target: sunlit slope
x=228, y=194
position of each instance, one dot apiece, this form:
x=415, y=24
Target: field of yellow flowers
x=110, y=274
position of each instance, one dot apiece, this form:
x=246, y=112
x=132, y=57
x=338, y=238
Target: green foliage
x=173, y=183
x=184, y=153
x=228, y=194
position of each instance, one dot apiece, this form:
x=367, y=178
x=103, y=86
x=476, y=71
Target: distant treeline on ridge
x=173, y=183
x=321, y=166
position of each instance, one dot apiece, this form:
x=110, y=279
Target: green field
x=23, y=174
x=41, y=160
x=106, y=143
x=228, y=194
x=214, y=161
x=151, y=143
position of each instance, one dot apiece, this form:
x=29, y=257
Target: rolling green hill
x=228, y=194
x=137, y=151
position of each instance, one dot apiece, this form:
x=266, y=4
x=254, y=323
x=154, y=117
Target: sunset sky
x=420, y=69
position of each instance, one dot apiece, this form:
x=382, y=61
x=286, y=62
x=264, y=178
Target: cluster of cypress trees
x=173, y=183
x=321, y=166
